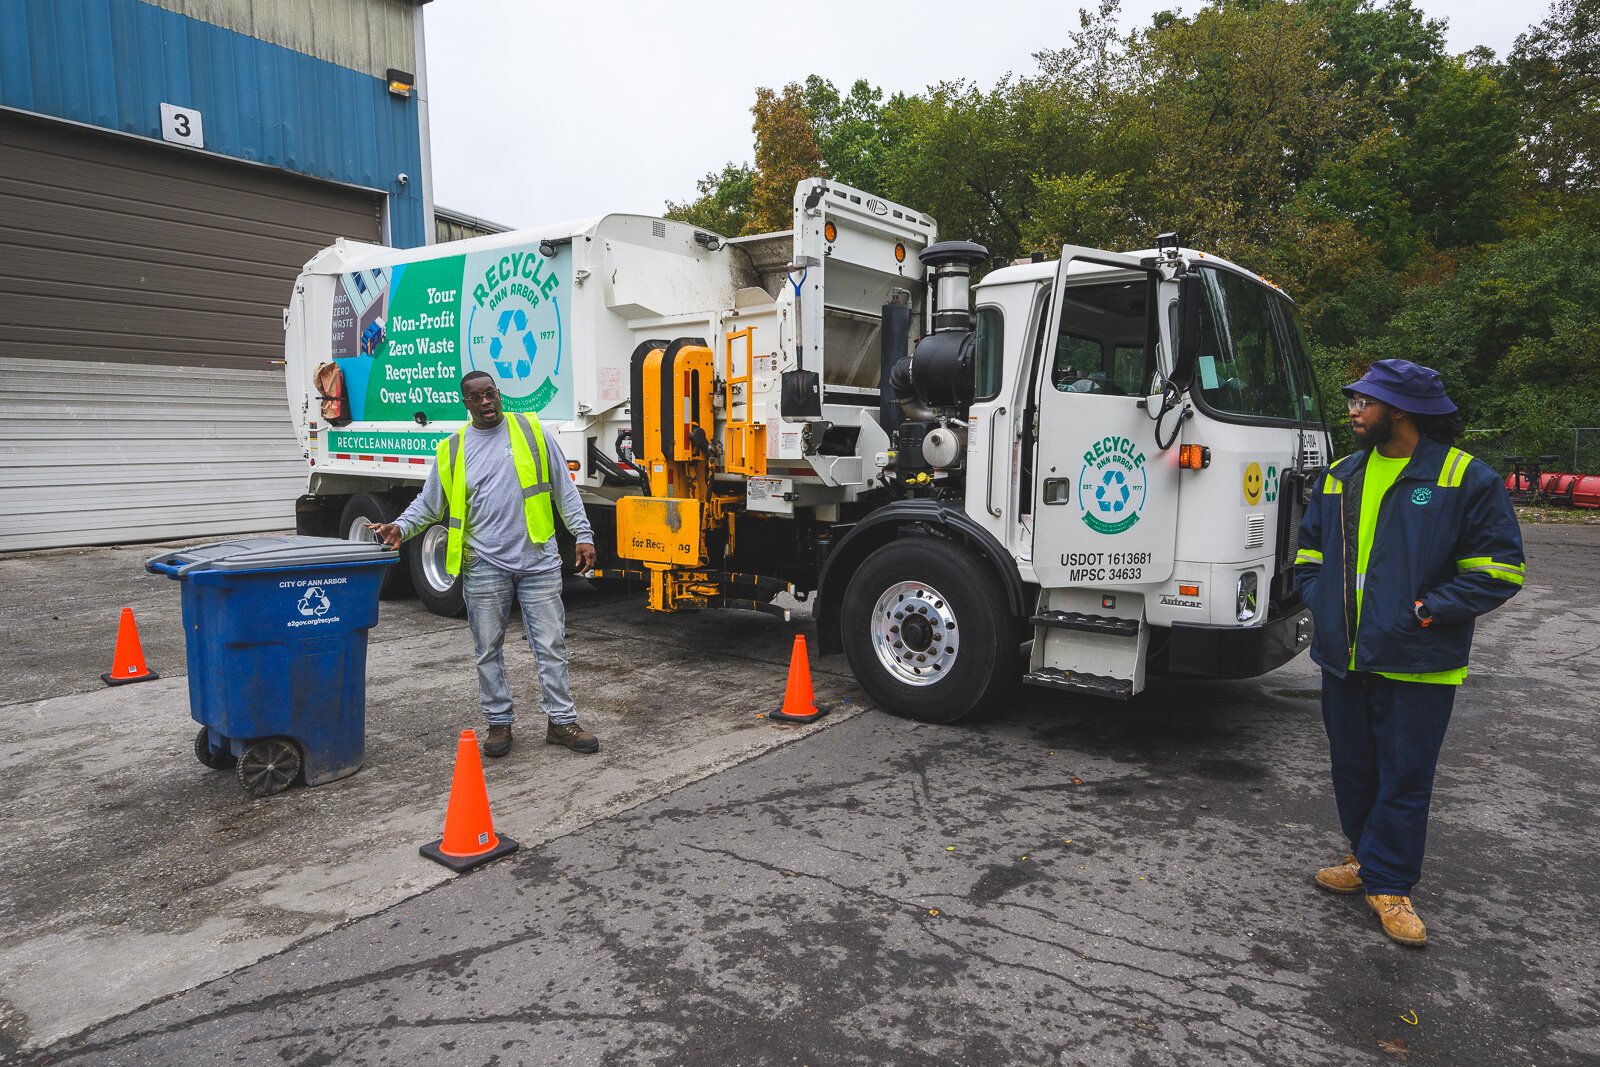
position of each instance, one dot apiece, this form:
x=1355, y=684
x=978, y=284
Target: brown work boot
x=1399, y=918
x=498, y=743
x=573, y=736
x=1345, y=877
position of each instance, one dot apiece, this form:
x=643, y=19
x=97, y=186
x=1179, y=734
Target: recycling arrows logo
x=314, y=603
x=513, y=347
x=1111, y=495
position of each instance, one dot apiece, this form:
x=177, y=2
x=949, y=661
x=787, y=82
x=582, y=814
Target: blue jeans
x=1384, y=737
x=489, y=592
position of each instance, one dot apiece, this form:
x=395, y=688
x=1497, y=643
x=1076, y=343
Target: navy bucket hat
x=1403, y=384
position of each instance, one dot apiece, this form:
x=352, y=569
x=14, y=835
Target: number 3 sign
x=181, y=126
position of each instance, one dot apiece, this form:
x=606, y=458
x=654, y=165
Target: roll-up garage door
x=141, y=311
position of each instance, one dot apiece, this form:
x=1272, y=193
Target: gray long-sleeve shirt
x=497, y=531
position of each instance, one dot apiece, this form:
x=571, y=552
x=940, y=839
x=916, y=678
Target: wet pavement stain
x=1229, y=770
x=1001, y=879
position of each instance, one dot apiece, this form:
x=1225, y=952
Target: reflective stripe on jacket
x=533, y=474
x=1446, y=535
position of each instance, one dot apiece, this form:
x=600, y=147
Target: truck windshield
x=1305, y=383
x=1245, y=365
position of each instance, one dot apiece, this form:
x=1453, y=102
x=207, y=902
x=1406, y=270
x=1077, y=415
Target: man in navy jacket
x=1404, y=544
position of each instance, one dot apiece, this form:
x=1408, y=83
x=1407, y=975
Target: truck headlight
x=1245, y=600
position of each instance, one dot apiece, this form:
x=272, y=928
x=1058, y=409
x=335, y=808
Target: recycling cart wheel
x=270, y=766
x=362, y=509
x=217, y=761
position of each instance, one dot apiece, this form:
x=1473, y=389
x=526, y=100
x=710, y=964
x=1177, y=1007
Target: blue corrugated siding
x=112, y=63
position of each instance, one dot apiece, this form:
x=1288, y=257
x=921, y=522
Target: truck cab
x=1139, y=440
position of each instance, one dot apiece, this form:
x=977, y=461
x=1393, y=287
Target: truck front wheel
x=926, y=630
x=360, y=510
x=437, y=588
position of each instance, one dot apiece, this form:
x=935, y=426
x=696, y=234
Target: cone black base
x=466, y=863
x=784, y=716
x=152, y=676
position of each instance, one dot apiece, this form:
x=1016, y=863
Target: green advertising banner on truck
x=404, y=335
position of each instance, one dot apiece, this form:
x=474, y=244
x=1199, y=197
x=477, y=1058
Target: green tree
x=1457, y=161
x=850, y=131
x=1554, y=71
x=723, y=206
x=786, y=154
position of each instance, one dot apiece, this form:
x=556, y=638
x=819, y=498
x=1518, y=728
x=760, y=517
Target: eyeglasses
x=1358, y=404
x=478, y=398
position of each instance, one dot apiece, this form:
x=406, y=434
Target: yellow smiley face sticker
x=1252, y=484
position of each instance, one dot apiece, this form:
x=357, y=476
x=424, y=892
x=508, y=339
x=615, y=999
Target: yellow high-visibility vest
x=533, y=473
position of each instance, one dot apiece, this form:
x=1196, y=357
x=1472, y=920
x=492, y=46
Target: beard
x=1374, y=433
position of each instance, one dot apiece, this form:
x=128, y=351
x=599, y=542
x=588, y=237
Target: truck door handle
x=995, y=420
x=1057, y=490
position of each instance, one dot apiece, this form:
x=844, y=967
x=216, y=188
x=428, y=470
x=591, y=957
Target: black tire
x=439, y=591
x=909, y=593
x=217, y=761
x=270, y=766
x=360, y=510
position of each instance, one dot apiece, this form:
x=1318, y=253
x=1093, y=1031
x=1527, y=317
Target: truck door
x=1105, y=497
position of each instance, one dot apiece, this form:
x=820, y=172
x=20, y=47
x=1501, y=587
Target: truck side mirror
x=1191, y=300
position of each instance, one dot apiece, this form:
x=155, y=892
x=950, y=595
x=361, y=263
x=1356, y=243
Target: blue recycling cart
x=276, y=631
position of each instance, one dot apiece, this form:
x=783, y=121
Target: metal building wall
x=141, y=282
x=365, y=35
x=141, y=328
x=111, y=63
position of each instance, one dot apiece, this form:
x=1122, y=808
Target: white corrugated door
x=101, y=453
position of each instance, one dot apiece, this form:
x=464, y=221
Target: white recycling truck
x=1106, y=455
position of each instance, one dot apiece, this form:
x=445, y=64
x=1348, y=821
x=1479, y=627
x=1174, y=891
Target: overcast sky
x=547, y=112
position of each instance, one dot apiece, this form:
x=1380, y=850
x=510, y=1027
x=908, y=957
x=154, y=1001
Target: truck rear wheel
x=926, y=630
x=437, y=588
x=360, y=510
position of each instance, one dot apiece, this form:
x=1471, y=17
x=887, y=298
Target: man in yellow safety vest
x=497, y=484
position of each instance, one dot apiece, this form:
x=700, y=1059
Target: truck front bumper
x=1230, y=652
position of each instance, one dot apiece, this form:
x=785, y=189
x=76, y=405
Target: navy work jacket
x=1446, y=535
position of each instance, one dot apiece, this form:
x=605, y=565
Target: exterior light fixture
x=400, y=82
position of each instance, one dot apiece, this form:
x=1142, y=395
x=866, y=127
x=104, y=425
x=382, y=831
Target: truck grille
x=1255, y=531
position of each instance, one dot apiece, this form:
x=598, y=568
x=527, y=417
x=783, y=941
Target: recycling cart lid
x=269, y=553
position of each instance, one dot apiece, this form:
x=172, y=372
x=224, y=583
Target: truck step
x=1094, y=624
x=1077, y=682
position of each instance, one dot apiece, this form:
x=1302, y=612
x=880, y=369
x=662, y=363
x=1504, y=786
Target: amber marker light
x=830, y=231
x=1194, y=457
x=899, y=252
x=1188, y=590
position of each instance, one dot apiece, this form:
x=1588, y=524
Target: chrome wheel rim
x=431, y=554
x=914, y=633
x=358, y=530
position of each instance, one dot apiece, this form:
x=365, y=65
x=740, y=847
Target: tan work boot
x=1399, y=918
x=572, y=736
x=1344, y=877
x=498, y=743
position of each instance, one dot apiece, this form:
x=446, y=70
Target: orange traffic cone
x=469, y=838
x=127, y=662
x=798, y=703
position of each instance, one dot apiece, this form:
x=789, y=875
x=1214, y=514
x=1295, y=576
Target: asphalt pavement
x=1067, y=882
